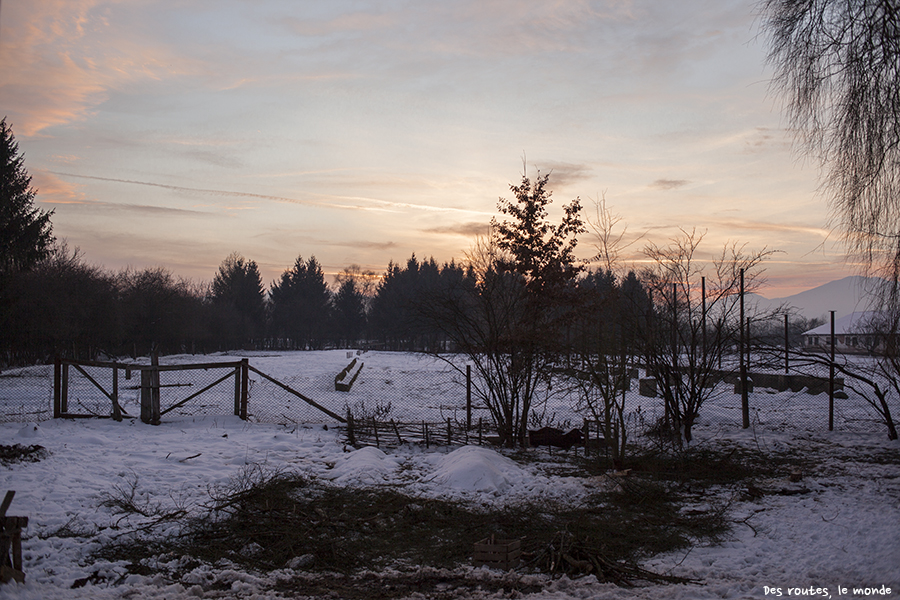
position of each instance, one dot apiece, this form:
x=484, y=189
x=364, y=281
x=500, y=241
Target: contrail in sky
x=179, y=188
x=384, y=205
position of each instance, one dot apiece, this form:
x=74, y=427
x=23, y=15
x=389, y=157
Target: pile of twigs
x=567, y=554
x=19, y=453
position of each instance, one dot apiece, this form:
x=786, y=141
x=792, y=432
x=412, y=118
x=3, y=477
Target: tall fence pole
x=745, y=401
x=831, y=379
x=703, y=314
x=786, y=345
x=672, y=373
x=468, y=397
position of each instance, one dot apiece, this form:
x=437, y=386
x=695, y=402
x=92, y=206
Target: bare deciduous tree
x=604, y=335
x=695, y=320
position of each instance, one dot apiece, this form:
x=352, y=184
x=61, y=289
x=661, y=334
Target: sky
x=166, y=133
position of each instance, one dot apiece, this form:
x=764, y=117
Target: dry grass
x=274, y=520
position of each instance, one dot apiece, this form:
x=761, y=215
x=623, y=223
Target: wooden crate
x=11, y=543
x=497, y=553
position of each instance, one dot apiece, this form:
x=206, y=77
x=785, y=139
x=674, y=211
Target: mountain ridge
x=843, y=296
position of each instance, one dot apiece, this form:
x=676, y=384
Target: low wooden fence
x=360, y=432
x=372, y=432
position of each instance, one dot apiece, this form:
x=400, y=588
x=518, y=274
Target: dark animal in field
x=551, y=436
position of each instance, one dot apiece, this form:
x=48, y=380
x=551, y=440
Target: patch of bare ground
x=323, y=539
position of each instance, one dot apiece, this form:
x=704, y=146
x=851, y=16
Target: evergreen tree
x=401, y=309
x=387, y=311
x=349, y=312
x=25, y=231
x=237, y=294
x=543, y=253
x=300, y=304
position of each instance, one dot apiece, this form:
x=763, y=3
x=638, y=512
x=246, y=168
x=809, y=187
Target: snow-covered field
x=842, y=532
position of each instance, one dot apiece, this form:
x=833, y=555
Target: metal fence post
x=787, y=341
x=745, y=402
x=468, y=397
x=831, y=379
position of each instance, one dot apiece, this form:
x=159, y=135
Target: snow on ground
x=843, y=530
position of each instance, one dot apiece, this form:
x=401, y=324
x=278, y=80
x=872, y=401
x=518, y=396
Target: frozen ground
x=841, y=530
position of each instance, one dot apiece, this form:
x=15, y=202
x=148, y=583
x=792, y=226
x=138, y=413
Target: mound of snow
x=30, y=430
x=476, y=469
x=368, y=466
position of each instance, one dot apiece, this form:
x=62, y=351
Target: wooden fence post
x=146, y=411
x=245, y=387
x=154, y=389
x=116, y=409
x=237, y=391
x=57, y=387
x=351, y=433
x=64, y=393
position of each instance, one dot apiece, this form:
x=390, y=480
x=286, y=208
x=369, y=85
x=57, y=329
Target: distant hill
x=843, y=296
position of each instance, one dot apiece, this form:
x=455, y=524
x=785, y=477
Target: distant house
x=857, y=332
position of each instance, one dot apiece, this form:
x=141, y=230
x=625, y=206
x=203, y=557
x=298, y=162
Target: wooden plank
x=12, y=523
x=135, y=367
x=95, y=363
x=7, y=500
x=196, y=366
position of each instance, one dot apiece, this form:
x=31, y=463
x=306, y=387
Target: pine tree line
x=63, y=305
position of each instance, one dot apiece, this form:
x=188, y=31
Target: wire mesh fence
x=379, y=391
x=412, y=390
x=26, y=394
